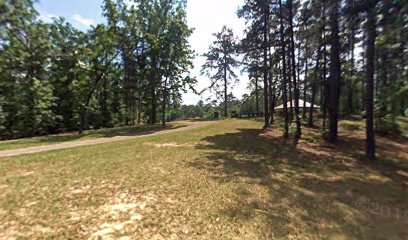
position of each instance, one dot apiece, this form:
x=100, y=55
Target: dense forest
x=55, y=78
x=348, y=57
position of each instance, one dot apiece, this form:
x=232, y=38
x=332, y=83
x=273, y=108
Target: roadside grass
x=226, y=180
x=90, y=134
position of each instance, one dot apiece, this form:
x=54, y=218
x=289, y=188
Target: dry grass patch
x=221, y=181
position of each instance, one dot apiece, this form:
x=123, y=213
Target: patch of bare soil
x=170, y=144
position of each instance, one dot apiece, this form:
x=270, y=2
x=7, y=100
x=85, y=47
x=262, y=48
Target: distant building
x=308, y=105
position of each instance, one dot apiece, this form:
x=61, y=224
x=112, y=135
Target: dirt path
x=72, y=144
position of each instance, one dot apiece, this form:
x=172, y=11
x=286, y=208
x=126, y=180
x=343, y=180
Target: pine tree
x=220, y=63
x=335, y=74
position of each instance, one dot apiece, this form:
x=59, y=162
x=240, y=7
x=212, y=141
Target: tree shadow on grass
x=288, y=191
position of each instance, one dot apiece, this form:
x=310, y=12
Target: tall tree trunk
x=115, y=100
x=140, y=84
x=289, y=64
x=325, y=85
x=295, y=86
x=271, y=88
x=265, y=64
x=225, y=92
x=139, y=106
x=164, y=103
x=153, y=85
x=256, y=94
x=351, y=77
x=273, y=103
x=314, y=87
x=82, y=118
x=270, y=100
x=153, y=113
x=104, y=105
x=371, y=35
x=305, y=80
x=350, y=90
x=334, y=82
x=284, y=78
x=363, y=81
x=126, y=71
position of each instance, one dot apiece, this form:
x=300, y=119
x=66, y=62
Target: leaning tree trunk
x=371, y=34
x=334, y=82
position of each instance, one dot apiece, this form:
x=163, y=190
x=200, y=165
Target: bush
x=388, y=124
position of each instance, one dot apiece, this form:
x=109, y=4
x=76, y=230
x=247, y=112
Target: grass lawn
x=91, y=134
x=226, y=180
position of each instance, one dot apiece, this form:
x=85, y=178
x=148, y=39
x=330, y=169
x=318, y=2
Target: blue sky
x=205, y=16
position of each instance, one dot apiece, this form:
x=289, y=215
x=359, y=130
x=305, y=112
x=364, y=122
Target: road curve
x=72, y=144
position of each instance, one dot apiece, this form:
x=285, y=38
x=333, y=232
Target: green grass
x=220, y=181
x=52, y=139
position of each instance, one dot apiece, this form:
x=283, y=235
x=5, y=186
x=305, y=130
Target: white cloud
x=85, y=22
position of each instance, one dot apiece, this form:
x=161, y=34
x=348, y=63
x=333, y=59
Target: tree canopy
x=56, y=78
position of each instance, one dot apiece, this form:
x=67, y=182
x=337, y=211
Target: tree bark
x=284, y=78
x=256, y=94
x=363, y=82
x=289, y=64
x=305, y=81
x=295, y=86
x=164, y=103
x=334, y=82
x=314, y=88
x=271, y=88
x=325, y=86
x=225, y=92
x=265, y=65
x=153, y=113
x=371, y=35
x=351, y=77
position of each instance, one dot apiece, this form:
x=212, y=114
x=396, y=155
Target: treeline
x=348, y=56
x=244, y=107
x=55, y=78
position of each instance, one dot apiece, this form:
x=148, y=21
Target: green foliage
x=220, y=63
x=55, y=78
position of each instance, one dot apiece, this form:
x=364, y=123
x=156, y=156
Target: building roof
x=308, y=104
